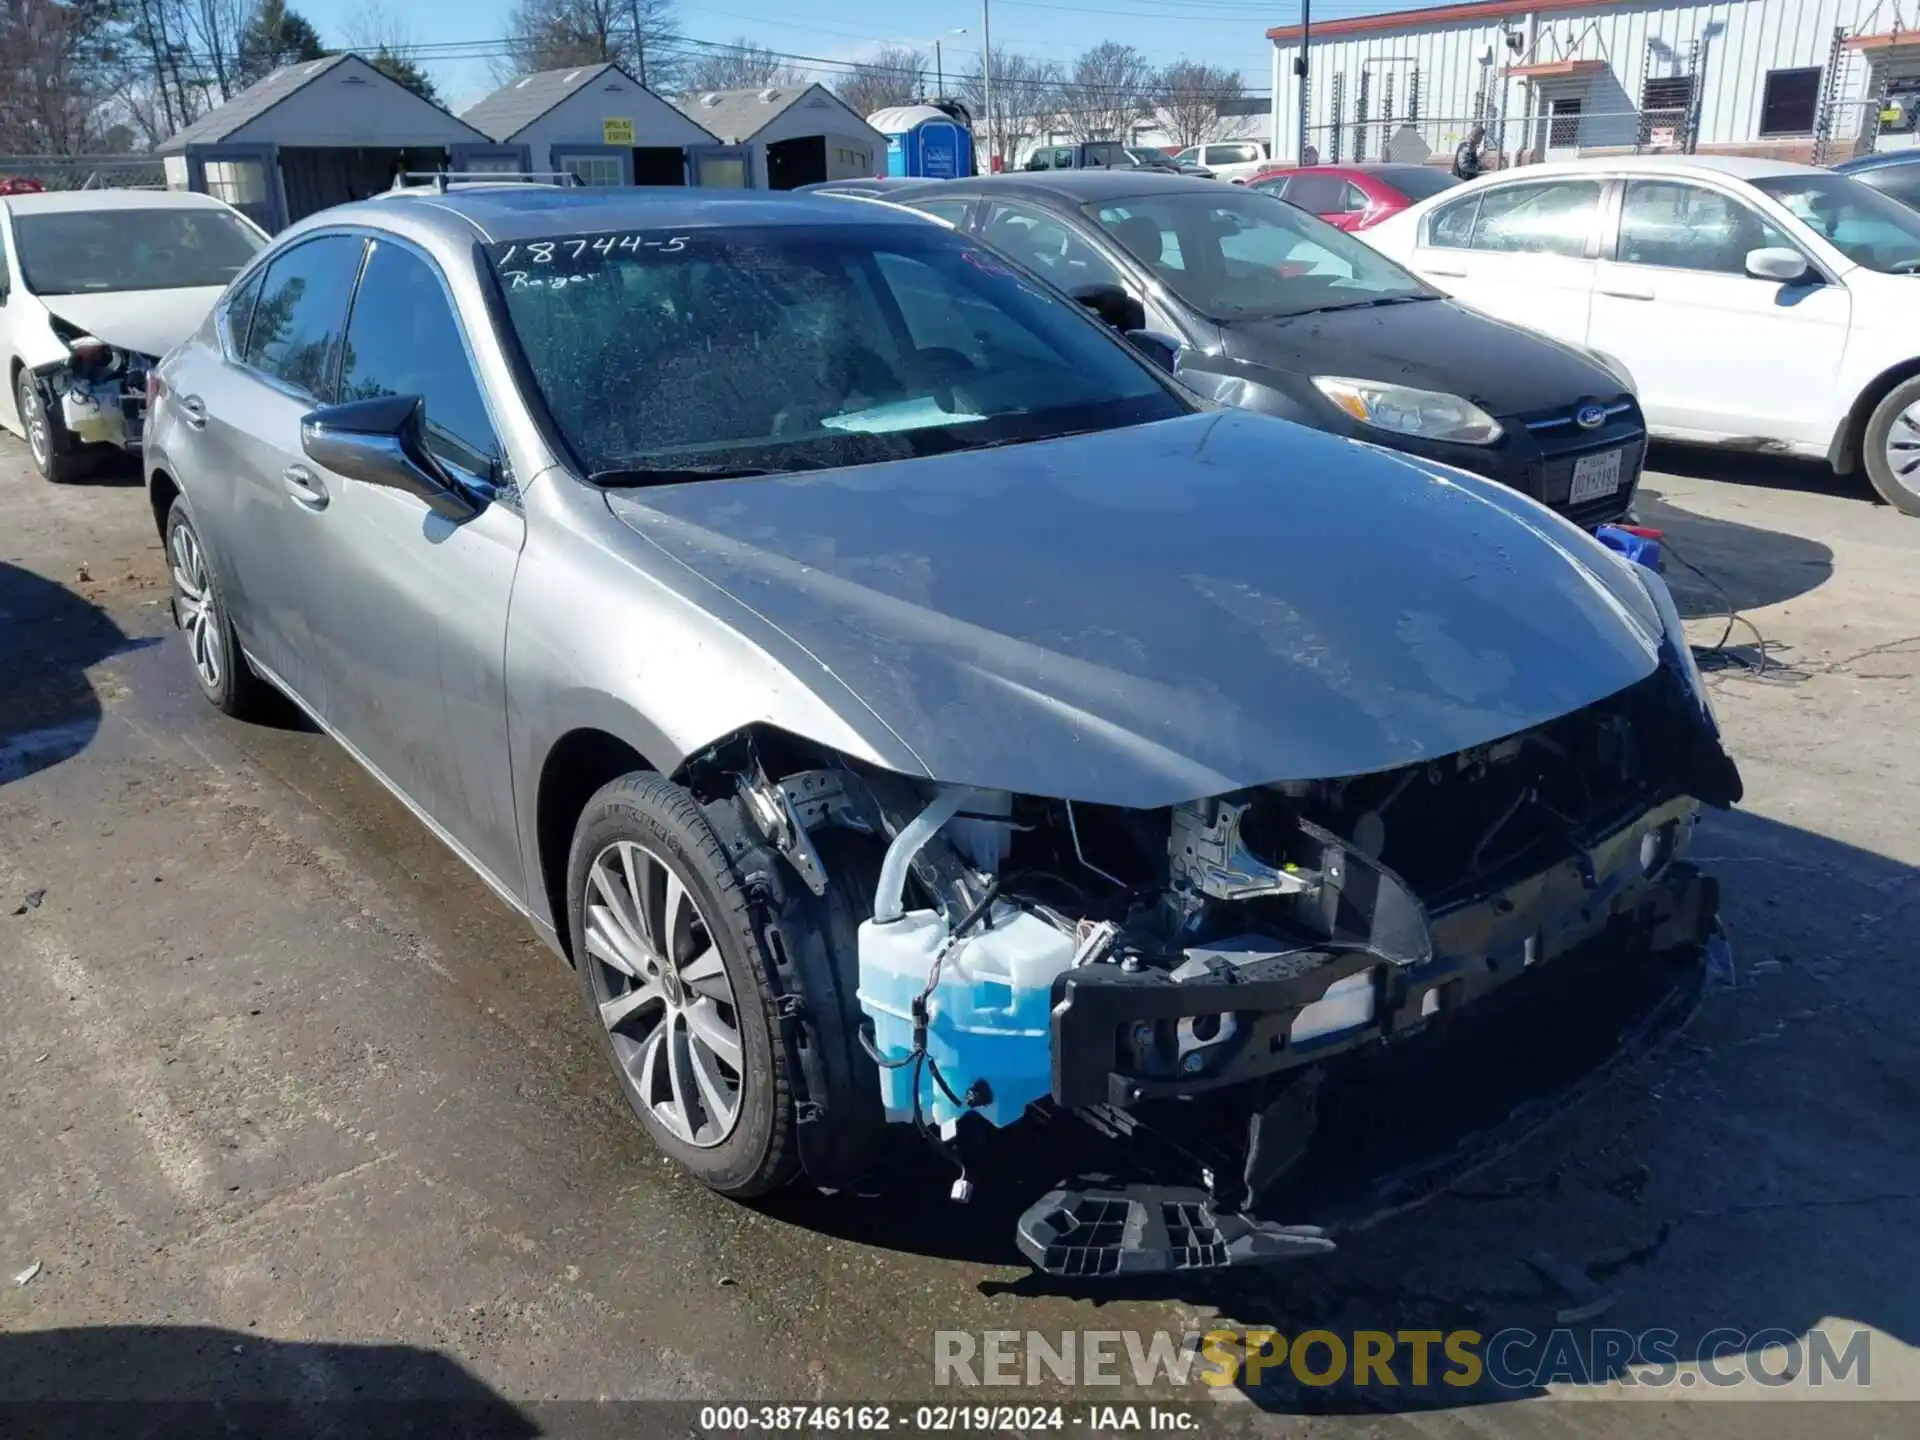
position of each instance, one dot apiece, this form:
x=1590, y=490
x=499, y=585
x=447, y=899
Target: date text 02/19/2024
x=943, y=1419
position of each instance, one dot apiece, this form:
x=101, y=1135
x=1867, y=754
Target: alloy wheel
x=194, y=608
x=663, y=994
x=1903, y=449
x=33, y=419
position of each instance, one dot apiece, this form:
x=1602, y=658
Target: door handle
x=1621, y=291
x=305, y=487
x=1457, y=274
x=193, y=410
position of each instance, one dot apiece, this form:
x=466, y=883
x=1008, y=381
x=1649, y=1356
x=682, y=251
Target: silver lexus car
x=917, y=719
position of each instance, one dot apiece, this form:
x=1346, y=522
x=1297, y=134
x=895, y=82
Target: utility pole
x=1300, y=71
x=986, y=74
x=939, y=73
x=639, y=41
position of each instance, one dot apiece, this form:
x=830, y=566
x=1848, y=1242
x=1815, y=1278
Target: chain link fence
x=86, y=172
x=1564, y=133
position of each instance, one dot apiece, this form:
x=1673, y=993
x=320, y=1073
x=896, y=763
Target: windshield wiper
x=1360, y=304
x=641, y=479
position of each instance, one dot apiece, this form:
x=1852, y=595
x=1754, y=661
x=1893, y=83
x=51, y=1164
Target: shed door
x=247, y=177
x=721, y=167
x=489, y=159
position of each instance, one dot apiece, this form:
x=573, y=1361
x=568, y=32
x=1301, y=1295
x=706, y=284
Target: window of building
x=596, y=169
x=1789, y=101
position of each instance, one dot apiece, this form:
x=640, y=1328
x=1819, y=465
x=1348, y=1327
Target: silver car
x=911, y=713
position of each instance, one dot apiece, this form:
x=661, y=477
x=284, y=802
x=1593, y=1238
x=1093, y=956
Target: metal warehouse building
x=1815, y=80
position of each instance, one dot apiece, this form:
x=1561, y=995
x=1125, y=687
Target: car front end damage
x=98, y=391
x=1201, y=986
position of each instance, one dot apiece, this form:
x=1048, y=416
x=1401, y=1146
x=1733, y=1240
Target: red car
x=1352, y=197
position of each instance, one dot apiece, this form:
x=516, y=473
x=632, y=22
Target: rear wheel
x=673, y=976
x=1892, y=447
x=47, y=438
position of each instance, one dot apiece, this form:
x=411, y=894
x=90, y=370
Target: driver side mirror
x=1162, y=350
x=1113, y=305
x=1776, y=262
x=384, y=442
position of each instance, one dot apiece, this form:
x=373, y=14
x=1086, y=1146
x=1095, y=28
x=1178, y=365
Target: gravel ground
x=295, y=1109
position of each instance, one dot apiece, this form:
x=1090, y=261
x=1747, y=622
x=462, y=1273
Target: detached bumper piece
x=1152, y=1230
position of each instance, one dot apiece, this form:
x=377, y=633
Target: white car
x=95, y=286
x=1752, y=303
x=1235, y=160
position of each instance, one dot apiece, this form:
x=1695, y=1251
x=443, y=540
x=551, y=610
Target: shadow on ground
x=1754, y=1177
x=1758, y=470
x=48, y=708
x=1738, y=567
x=159, y=1382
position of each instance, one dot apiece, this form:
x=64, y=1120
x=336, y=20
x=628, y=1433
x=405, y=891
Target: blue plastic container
x=1641, y=549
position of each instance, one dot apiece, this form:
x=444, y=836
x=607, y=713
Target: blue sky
x=1223, y=32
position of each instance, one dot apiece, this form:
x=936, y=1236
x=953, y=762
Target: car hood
x=1149, y=615
x=1430, y=344
x=148, y=322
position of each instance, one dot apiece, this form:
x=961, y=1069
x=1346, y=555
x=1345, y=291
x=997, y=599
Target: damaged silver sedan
x=915, y=718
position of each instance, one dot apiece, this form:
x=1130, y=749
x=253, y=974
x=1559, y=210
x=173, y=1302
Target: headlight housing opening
x=1404, y=410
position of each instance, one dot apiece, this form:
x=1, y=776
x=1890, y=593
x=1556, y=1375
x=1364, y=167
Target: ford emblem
x=1590, y=417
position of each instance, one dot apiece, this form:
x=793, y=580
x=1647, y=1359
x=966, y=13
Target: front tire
x=200, y=611
x=676, y=984
x=1891, y=447
x=47, y=438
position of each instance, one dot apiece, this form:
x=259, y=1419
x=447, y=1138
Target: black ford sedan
x=1258, y=304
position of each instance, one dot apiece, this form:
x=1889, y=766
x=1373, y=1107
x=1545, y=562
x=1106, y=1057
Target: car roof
x=51, y=202
x=1884, y=160
x=519, y=211
x=1735, y=167
x=1075, y=187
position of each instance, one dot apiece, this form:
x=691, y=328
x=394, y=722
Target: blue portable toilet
x=924, y=143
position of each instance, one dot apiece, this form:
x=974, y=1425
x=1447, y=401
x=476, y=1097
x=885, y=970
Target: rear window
x=1418, y=182
x=80, y=252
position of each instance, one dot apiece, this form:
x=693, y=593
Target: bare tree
x=1192, y=99
x=896, y=75
x=383, y=38
x=57, y=75
x=553, y=34
x=1109, y=88
x=1026, y=100
x=741, y=65
x=213, y=28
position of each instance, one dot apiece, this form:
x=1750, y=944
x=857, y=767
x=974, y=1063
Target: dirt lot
x=294, y=1108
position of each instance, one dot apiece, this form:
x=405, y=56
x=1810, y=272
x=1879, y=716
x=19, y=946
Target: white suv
x=1753, y=303
x=1235, y=160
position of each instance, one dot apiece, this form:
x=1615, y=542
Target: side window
x=297, y=323
x=1047, y=246
x=1244, y=154
x=1356, y=199
x=1451, y=226
x=1687, y=227
x=1553, y=217
x=236, y=311
x=403, y=340
x=1317, y=194
x=954, y=212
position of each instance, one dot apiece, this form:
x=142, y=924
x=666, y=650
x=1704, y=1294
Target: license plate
x=1595, y=476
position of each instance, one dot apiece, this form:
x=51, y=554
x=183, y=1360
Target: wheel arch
x=571, y=773
x=162, y=491
x=1843, y=454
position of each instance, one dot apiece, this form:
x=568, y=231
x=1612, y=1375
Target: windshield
x=1867, y=227
x=1235, y=254
x=789, y=347
x=78, y=252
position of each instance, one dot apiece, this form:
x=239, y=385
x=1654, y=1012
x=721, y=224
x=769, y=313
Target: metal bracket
x=1206, y=856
